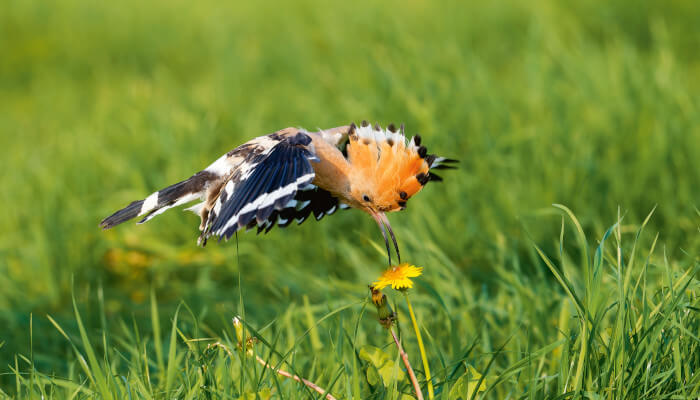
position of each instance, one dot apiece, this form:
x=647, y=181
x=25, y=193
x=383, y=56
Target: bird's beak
x=384, y=225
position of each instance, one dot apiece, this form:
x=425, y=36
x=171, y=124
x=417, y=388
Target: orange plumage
x=384, y=168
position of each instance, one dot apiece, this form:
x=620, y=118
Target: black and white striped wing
x=267, y=186
x=310, y=200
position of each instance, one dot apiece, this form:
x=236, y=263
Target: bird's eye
x=366, y=198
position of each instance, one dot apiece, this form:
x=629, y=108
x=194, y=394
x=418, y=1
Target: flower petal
x=398, y=277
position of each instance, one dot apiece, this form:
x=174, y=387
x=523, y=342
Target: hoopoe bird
x=290, y=174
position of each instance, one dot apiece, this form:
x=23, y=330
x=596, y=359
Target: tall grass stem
x=428, y=378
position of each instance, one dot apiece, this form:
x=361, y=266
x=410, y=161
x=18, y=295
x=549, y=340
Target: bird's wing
x=337, y=136
x=262, y=184
x=308, y=200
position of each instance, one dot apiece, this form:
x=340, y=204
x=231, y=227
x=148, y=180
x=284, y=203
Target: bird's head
x=386, y=171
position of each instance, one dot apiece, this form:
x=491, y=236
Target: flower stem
x=306, y=382
x=404, y=357
x=428, y=378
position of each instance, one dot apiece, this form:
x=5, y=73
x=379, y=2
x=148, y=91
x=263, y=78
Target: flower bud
x=384, y=312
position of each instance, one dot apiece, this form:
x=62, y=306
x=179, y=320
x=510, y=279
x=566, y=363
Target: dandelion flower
x=398, y=277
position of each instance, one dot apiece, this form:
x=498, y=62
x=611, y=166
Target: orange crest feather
x=385, y=168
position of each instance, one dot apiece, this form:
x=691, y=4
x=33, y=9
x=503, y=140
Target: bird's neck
x=333, y=170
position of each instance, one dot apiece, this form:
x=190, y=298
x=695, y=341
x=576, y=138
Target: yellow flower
x=398, y=277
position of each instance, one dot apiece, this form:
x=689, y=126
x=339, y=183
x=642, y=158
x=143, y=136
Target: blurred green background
x=590, y=104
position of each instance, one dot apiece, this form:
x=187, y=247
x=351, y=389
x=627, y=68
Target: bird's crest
x=387, y=168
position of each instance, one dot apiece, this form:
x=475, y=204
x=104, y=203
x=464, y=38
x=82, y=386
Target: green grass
x=591, y=105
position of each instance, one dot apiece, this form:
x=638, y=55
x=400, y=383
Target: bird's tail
x=175, y=195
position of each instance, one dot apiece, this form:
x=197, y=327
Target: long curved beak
x=385, y=226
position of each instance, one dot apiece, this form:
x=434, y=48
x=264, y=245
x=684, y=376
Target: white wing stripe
x=149, y=204
x=220, y=167
x=266, y=200
x=183, y=200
